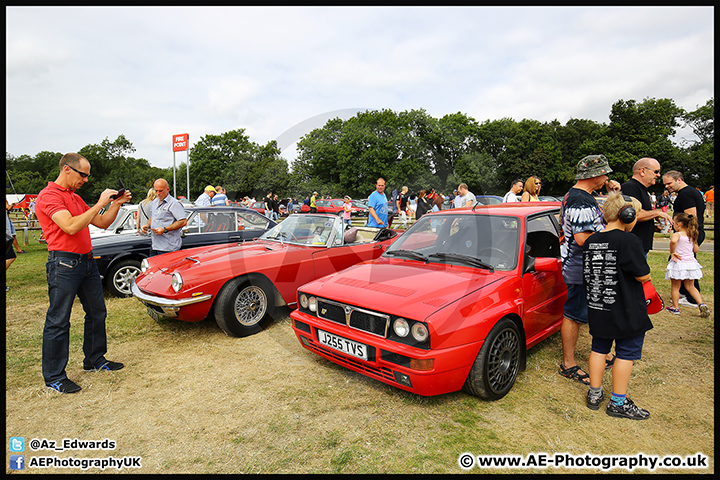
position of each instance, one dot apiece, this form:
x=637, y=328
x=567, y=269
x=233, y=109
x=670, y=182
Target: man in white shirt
x=516, y=187
x=205, y=199
x=468, y=199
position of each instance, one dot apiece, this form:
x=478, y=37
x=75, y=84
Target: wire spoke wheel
x=244, y=306
x=250, y=305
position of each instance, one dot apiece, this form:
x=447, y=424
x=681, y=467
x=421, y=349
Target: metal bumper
x=169, y=307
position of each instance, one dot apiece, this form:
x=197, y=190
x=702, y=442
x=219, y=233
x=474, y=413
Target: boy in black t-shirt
x=614, y=269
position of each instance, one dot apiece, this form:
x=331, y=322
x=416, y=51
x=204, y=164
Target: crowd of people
x=604, y=250
x=604, y=256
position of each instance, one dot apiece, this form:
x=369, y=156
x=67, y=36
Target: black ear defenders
x=627, y=213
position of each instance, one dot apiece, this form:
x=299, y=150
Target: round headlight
x=401, y=327
x=303, y=300
x=420, y=332
x=144, y=265
x=177, y=282
x=312, y=304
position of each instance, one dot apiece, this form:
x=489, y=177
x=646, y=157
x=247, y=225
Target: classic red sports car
x=453, y=304
x=241, y=284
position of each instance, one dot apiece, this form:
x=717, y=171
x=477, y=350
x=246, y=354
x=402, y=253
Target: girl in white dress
x=683, y=267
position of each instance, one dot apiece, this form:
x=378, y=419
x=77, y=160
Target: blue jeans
x=69, y=277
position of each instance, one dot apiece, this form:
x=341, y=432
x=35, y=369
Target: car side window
x=193, y=224
x=542, y=238
x=129, y=223
x=249, y=221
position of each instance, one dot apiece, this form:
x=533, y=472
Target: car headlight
x=177, y=282
x=303, y=300
x=144, y=265
x=401, y=327
x=312, y=304
x=419, y=332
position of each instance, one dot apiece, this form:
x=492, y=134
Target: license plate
x=344, y=345
x=153, y=314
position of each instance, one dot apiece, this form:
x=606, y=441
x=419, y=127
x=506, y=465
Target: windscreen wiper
x=465, y=259
x=408, y=254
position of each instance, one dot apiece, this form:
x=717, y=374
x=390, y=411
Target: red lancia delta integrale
x=453, y=304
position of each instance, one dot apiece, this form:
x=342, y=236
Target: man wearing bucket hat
x=580, y=217
x=205, y=199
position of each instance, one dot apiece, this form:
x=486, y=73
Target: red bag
x=653, y=301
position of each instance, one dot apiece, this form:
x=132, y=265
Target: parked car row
x=452, y=303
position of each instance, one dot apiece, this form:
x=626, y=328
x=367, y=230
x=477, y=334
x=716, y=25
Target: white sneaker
x=684, y=301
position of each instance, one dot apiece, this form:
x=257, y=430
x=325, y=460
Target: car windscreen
x=315, y=230
x=470, y=239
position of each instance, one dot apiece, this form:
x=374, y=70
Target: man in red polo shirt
x=72, y=271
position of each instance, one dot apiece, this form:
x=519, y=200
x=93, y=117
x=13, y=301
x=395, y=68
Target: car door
x=543, y=292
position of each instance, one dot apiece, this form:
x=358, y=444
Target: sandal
x=572, y=374
x=609, y=363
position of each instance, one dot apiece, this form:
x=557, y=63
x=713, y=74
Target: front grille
x=354, y=317
x=331, y=311
x=368, y=322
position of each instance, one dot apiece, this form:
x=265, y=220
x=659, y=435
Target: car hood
x=205, y=257
x=210, y=267
x=398, y=287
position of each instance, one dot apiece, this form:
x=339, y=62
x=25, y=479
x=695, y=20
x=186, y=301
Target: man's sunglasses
x=82, y=174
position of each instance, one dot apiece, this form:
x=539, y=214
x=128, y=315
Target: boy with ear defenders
x=614, y=270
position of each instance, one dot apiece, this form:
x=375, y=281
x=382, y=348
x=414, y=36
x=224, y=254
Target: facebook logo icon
x=17, y=462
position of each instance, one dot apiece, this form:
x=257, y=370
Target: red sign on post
x=180, y=142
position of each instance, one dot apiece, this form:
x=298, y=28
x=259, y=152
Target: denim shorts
x=576, y=308
x=625, y=348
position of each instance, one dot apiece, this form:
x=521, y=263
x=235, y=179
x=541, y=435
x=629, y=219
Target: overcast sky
x=78, y=75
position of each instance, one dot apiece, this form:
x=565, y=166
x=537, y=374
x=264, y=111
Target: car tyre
x=497, y=365
x=120, y=277
x=243, y=307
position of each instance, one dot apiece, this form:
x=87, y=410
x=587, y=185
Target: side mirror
x=544, y=264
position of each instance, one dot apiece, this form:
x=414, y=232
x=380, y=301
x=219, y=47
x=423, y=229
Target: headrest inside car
x=350, y=235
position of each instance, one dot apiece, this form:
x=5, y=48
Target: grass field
x=192, y=400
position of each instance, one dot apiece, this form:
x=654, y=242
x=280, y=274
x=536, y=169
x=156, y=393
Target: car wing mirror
x=542, y=264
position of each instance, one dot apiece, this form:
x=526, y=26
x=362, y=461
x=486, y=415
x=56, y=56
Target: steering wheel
x=501, y=254
x=294, y=238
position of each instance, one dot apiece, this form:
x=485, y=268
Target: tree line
x=411, y=148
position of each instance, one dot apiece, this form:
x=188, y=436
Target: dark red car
x=335, y=205
x=241, y=284
x=453, y=304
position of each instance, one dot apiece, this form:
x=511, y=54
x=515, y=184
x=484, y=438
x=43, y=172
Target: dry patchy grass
x=192, y=400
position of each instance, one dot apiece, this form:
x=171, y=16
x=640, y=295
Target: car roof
x=219, y=208
x=519, y=209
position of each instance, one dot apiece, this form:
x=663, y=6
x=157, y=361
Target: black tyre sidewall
x=224, y=308
x=478, y=381
x=114, y=270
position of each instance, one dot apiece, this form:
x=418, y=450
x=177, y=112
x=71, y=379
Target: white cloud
x=77, y=75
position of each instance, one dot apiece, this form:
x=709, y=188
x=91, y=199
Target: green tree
x=697, y=160
x=241, y=166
